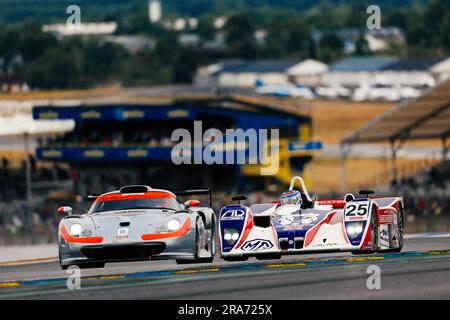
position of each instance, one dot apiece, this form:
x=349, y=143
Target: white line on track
x=428, y=235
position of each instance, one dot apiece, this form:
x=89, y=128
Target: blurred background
x=86, y=109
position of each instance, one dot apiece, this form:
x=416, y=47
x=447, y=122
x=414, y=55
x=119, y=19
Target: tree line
x=47, y=62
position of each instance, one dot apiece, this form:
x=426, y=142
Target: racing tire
x=197, y=246
x=270, y=256
x=374, y=230
x=212, y=244
x=63, y=266
x=401, y=231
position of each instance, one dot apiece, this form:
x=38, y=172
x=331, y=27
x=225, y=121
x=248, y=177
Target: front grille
x=123, y=252
x=284, y=244
x=299, y=244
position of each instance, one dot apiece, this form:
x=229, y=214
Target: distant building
x=154, y=11
x=387, y=71
x=415, y=72
x=179, y=24
x=13, y=84
x=189, y=39
x=377, y=40
x=355, y=71
x=245, y=73
x=220, y=22
x=384, y=38
x=133, y=44
x=84, y=29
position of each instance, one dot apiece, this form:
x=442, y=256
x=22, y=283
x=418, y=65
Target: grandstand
x=126, y=139
x=426, y=193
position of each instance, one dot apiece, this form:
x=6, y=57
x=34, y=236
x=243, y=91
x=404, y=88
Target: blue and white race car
x=298, y=224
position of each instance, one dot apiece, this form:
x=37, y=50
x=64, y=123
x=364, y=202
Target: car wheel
x=198, y=226
x=63, y=266
x=211, y=245
x=400, y=231
x=374, y=230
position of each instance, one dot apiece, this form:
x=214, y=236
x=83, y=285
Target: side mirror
x=65, y=210
x=192, y=203
x=349, y=197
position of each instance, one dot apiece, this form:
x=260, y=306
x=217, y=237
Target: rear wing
x=193, y=192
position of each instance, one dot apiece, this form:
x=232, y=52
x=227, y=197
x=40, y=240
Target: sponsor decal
x=91, y=115
x=286, y=220
x=256, y=245
x=387, y=219
x=137, y=153
x=122, y=232
x=326, y=244
x=309, y=218
x=48, y=115
x=178, y=113
x=122, y=235
x=294, y=227
x=384, y=235
x=233, y=214
x=52, y=153
x=357, y=212
x=133, y=114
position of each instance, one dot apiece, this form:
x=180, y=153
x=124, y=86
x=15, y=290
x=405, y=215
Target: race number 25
x=357, y=211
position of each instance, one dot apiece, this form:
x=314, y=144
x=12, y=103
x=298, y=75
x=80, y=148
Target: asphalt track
x=421, y=271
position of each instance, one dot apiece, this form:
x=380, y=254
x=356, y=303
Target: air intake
x=134, y=189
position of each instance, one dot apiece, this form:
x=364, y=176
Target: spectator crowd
x=428, y=193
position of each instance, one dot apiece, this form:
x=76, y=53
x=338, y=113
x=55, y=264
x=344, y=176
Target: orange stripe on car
x=310, y=235
x=134, y=196
x=73, y=239
x=179, y=233
x=247, y=230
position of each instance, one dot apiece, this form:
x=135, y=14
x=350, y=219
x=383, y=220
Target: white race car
x=297, y=224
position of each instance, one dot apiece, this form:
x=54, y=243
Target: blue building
x=127, y=143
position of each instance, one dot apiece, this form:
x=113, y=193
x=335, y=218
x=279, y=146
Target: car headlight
x=230, y=235
x=75, y=229
x=173, y=225
x=355, y=229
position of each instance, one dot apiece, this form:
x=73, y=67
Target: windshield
x=130, y=204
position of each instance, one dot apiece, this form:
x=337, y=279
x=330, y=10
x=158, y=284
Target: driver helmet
x=291, y=197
